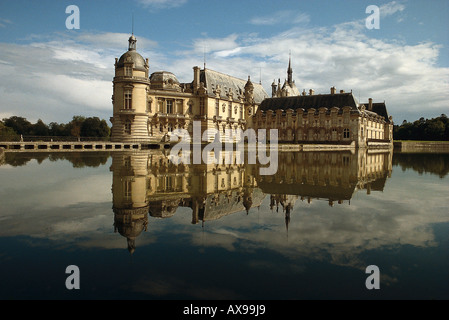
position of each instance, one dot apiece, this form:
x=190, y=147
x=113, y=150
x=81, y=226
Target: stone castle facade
x=147, y=108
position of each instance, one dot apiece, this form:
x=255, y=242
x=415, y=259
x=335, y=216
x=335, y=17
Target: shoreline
x=398, y=146
x=421, y=146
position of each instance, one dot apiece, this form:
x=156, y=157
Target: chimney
x=370, y=104
x=304, y=92
x=311, y=92
x=196, y=78
x=342, y=91
x=333, y=90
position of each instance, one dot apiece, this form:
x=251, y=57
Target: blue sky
x=51, y=73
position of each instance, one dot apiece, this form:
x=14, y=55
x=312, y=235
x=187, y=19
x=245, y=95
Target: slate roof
x=309, y=190
x=225, y=207
x=311, y=101
x=380, y=109
x=212, y=78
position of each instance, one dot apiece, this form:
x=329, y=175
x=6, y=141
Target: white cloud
x=4, y=22
x=58, y=78
x=215, y=44
x=391, y=8
x=406, y=77
x=162, y=4
x=281, y=17
x=114, y=40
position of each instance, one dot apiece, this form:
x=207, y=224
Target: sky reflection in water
x=141, y=228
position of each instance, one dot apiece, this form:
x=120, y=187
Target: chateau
x=147, y=108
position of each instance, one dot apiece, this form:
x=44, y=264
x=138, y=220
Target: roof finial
x=132, y=40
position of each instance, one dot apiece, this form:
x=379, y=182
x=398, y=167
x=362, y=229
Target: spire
x=289, y=70
x=132, y=40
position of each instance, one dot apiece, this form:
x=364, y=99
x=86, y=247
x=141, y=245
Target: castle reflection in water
x=147, y=183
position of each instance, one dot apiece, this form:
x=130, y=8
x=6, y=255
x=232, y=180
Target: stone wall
x=2, y=156
x=421, y=146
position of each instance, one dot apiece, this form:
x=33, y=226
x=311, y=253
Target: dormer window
x=128, y=71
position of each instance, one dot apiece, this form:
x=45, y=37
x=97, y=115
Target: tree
x=94, y=127
x=74, y=126
x=58, y=129
x=435, y=129
x=6, y=131
x=40, y=129
x=19, y=125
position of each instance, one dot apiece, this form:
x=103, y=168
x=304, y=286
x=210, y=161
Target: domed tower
x=129, y=195
x=130, y=96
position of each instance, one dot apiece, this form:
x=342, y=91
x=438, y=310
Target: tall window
x=169, y=106
x=169, y=184
x=128, y=127
x=202, y=111
x=128, y=99
x=128, y=71
x=127, y=190
x=346, y=133
x=217, y=107
x=334, y=134
x=230, y=109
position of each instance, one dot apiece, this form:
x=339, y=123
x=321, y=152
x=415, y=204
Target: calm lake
x=138, y=226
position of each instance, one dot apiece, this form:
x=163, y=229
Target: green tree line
x=79, y=126
x=435, y=129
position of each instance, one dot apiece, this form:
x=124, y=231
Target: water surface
x=139, y=227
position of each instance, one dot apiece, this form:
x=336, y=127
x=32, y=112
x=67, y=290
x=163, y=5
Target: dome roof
x=132, y=56
x=163, y=76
